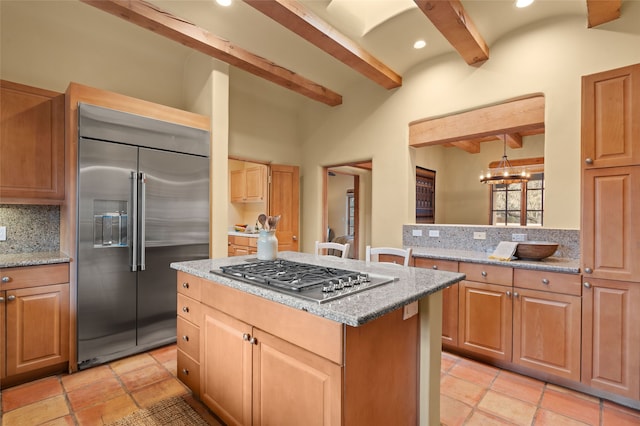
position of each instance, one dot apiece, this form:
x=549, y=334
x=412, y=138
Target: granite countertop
x=552, y=264
x=32, y=259
x=413, y=284
x=243, y=234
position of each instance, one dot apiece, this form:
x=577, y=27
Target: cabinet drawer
x=188, y=338
x=33, y=276
x=442, y=265
x=189, y=285
x=189, y=372
x=241, y=241
x=189, y=309
x=253, y=242
x=554, y=282
x=487, y=273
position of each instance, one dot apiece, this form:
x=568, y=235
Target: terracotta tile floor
x=471, y=394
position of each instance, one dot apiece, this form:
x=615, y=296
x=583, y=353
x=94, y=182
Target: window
x=351, y=213
x=518, y=204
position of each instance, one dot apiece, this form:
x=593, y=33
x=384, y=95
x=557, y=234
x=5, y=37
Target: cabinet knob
x=295, y=238
x=589, y=160
x=484, y=273
x=545, y=281
x=185, y=309
x=185, y=371
x=246, y=337
x=185, y=338
x=6, y=279
x=185, y=285
x=253, y=341
x=516, y=294
x=508, y=293
x=587, y=284
x=11, y=298
x=435, y=266
x=588, y=270
x=1, y=299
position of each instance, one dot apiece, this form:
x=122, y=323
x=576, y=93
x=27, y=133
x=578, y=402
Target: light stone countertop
x=551, y=264
x=413, y=284
x=244, y=234
x=32, y=259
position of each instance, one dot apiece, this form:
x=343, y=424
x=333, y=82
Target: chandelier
x=504, y=173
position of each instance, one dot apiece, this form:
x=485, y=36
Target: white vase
x=267, y=245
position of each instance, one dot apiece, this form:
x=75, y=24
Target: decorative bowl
x=240, y=228
x=535, y=250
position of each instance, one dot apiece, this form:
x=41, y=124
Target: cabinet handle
x=587, y=284
x=185, y=285
x=185, y=338
x=1, y=299
x=11, y=298
x=588, y=160
x=508, y=293
x=484, y=273
x=185, y=309
x=6, y=279
x=294, y=238
x=435, y=267
x=588, y=270
x=185, y=371
x=253, y=341
x=516, y=294
x=246, y=337
x=545, y=281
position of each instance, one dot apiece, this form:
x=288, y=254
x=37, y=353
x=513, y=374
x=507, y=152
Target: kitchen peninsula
x=255, y=355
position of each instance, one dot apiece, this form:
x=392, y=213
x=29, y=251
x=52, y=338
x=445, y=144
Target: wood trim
x=179, y=30
x=524, y=114
x=296, y=17
x=602, y=11
x=450, y=18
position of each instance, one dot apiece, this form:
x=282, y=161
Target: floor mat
x=173, y=411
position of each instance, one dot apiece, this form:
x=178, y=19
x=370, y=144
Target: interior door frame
x=356, y=200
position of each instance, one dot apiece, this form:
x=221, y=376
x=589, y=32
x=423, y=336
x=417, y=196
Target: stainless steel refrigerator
x=143, y=202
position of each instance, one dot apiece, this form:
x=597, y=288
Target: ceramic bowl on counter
x=535, y=250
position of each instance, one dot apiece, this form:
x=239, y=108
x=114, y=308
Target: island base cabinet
x=611, y=337
x=546, y=332
x=485, y=319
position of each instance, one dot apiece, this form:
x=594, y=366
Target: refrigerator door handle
x=143, y=218
x=134, y=221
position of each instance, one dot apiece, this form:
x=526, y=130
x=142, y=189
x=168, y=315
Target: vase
x=267, y=245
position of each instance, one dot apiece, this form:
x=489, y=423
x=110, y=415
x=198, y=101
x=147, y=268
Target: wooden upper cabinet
x=610, y=123
x=610, y=227
x=31, y=145
x=249, y=185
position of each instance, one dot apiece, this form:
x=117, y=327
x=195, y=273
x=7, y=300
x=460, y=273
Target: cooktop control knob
x=327, y=288
x=340, y=284
x=349, y=282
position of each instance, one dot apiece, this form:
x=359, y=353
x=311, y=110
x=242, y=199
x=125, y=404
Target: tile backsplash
x=30, y=228
x=461, y=237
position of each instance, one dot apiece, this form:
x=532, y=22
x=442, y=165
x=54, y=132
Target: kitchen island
x=255, y=355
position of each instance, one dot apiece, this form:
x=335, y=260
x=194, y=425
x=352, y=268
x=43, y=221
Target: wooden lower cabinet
x=35, y=322
x=611, y=336
x=485, y=319
x=242, y=246
x=546, y=332
x=188, y=331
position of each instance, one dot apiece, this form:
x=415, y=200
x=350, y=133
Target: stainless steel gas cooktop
x=311, y=282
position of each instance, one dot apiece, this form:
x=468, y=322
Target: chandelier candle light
x=505, y=173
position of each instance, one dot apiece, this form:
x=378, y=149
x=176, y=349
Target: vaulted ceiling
x=318, y=47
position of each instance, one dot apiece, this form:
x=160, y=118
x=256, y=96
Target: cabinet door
x=610, y=124
x=255, y=179
x=225, y=364
x=37, y=327
x=237, y=186
x=32, y=144
x=485, y=319
x=3, y=296
x=546, y=332
x=611, y=336
x=610, y=226
x=293, y=386
x=284, y=199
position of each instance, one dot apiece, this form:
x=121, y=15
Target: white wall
x=548, y=58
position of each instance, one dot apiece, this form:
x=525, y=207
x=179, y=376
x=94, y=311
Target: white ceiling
x=385, y=28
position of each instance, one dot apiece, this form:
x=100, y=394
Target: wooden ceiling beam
x=514, y=140
x=450, y=18
x=472, y=147
x=296, y=17
x=177, y=29
x=602, y=11
x=522, y=115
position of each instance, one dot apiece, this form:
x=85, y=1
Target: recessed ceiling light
x=419, y=44
x=523, y=3
x=224, y=2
